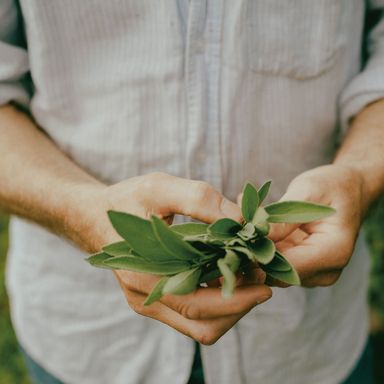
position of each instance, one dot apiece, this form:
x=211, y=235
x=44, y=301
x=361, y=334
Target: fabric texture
x=222, y=91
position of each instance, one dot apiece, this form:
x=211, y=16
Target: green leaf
x=224, y=228
x=282, y=270
x=97, y=260
x=138, y=233
x=235, y=242
x=157, y=291
x=297, y=212
x=290, y=277
x=280, y=263
x=190, y=229
x=138, y=264
x=260, y=220
x=263, y=191
x=263, y=250
x=245, y=251
x=172, y=243
x=183, y=283
x=120, y=248
x=248, y=232
x=212, y=274
x=249, y=202
x=232, y=260
x=228, y=266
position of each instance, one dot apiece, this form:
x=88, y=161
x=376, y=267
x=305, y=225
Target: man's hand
x=320, y=250
x=203, y=315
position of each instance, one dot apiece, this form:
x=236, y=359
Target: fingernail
x=230, y=209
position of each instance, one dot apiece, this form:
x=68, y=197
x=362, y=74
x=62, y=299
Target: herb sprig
x=187, y=255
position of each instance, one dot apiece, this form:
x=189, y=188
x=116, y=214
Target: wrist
x=361, y=181
x=81, y=216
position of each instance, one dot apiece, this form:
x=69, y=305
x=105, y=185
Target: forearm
x=38, y=181
x=363, y=150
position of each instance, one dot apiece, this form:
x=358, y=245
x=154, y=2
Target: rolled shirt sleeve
x=14, y=66
x=368, y=85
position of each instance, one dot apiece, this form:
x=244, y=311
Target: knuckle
x=202, y=191
x=157, y=175
x=151, y=180
x=136, y=306
x=190, y=311
x=207, y=337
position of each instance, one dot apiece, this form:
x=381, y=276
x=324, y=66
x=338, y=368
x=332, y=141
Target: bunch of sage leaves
x=190, y=254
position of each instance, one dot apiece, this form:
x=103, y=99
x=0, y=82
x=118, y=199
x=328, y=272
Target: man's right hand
x=203, y=315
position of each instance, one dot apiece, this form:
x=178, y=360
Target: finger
x=294, y=239
x=320, y=252
x=324, y=279
x=197, y=199
x=205, y=332
x=214, y=283
x=271, y=282
x=208, y=303
x=279, y=231
x=251, y=275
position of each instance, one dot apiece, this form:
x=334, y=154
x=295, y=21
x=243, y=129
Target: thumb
x=197, y=199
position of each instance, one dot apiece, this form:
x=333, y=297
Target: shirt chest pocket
x=294, y=38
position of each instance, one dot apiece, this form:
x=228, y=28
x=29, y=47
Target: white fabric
x=224, y=91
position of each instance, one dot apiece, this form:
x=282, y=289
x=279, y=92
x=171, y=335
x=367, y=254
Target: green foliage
x=12, y=367
x=374, y=228
x=190, y=254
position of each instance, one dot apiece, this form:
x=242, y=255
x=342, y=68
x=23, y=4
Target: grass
x=12, y=368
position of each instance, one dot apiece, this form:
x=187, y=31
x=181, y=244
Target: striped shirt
x=222, y=91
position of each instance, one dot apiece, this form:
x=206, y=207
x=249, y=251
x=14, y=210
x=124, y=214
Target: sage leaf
x=201, y=238
x=247, y=232
x=172, y=243
x=138, y=233
x=280, y=263
x=290, y=277
x=182, y=283
x=263, y=250
x=210, y=275
x=249, y=202
x=297, y=212
x=120, y=248
x=157, y=291
x=236, y=241
x=138, y=264
x=245, y=251
x=228, y=266
x=232, y=260
x=260, y=221
x=224, y=228
x=98, y=259
x=190, y=229
x=263, y=191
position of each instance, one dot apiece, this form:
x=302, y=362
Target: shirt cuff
x=365, y=88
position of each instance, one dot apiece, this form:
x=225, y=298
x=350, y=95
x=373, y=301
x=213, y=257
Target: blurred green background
x=12, y=369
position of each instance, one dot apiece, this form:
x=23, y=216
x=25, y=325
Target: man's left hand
x=320, y=250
